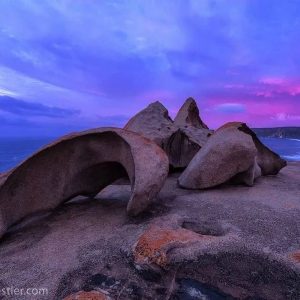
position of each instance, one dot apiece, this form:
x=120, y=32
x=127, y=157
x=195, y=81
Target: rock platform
x=230, y=242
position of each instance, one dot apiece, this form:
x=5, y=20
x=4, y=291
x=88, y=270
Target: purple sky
x=67, y=65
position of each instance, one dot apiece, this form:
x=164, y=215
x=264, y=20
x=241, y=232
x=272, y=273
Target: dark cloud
x=23, y=108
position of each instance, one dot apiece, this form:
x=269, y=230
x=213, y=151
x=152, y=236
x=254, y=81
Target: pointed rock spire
x=154, y=112
x=180, y=141
x=152, y=122
x=189, y=115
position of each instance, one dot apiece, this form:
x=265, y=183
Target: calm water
x=14, y=150
x=289, y=149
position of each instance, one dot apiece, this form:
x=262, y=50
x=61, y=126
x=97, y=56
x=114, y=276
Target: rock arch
x=82, y=164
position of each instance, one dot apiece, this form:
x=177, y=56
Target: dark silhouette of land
x=279, y=132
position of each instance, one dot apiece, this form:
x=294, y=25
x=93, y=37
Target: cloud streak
x=230, y=108
x=23, y=108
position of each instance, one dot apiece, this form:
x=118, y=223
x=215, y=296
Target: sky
x=68, y=65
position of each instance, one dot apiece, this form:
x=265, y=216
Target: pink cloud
x=258, y=112
x=234, y=86
x=277, y=85
x=273, y=81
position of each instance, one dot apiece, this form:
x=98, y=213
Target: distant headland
x=279, y=132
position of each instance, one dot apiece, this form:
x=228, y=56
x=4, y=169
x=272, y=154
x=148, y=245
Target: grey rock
x=153, y=122
x=180, y=139
x=270, y=162
x=248, y=177
x=189, y=115
x=227, y=153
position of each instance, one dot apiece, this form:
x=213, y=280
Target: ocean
x=15, y=150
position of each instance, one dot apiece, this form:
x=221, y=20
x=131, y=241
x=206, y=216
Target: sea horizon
x=14, y=150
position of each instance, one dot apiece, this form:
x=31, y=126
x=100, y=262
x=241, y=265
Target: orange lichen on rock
x=296, y=256
x=92, y=295
x=153, y=244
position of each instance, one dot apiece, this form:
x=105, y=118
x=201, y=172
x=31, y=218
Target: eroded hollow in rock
x=109, y=171
x=204, y=228
x=189, y=289
x=242, y=274
x=180, y=149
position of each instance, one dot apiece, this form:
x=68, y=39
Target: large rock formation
x=269, y=162
x=225, y=243
x=227, y=153
x=83, y=164
x=180, y=139
x=232, y=153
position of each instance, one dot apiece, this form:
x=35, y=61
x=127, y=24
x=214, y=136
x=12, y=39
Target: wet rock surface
x=189, y=289
x=232, y=242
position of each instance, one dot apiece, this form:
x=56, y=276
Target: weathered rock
x=269, y=162
x=153, y=122
x=83, y=164
x=92, y=295
x=180, y=148
x=3, y=177
x=221, y=160
x=181, y=139
x=227, y=153
x=255, y=255
x=189, y=115
x=248, y=177
x=153, y=245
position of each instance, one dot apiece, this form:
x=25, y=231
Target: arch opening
x=91, y=180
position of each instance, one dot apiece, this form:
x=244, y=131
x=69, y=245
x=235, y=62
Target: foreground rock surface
x=181, y=139
x=83, y=164
x=229, y=242
x=92, y=295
